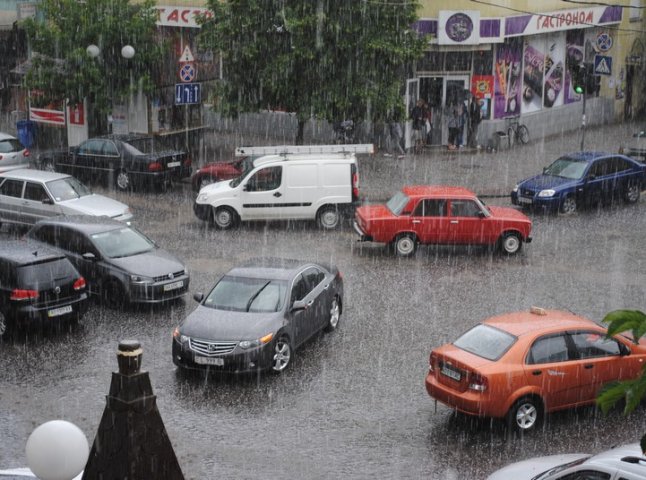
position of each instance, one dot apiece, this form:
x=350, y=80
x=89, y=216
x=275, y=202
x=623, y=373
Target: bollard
x=131, y=442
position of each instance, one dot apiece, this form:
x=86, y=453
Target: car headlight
x=247, y=344
x=546, y=193
x=140, y=279
x=515, y=189
x=202, y=198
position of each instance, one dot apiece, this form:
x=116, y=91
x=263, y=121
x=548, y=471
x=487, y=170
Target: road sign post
x=188, y=93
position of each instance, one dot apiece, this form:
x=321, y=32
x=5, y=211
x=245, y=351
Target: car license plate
x=173, y=164
x=173, y=286
x=59, y=311
x=525, y=200
x=218, y=362
x=449, y=372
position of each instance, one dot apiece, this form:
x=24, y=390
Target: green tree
x=632, y=391
x=63, y=69
x=331, y=59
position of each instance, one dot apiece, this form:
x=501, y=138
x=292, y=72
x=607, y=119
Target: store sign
x=561, y=20
x=43, y=115
x=181, y=16
x=459, y=28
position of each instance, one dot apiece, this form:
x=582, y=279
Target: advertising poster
x=534, y=66
x=554, y=70
x=482, y=89
x=573, y=56
x=508, y=78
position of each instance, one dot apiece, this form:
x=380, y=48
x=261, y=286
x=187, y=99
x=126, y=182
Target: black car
x=257, y=314
x=125, y=161
x=120, y=263
x=38, y=284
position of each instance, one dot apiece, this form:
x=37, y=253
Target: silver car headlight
x=202, y=198
x=140, y=279
x=546, y=193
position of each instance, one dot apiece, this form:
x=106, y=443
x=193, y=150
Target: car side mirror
x=591, y=177
x=624, y=351
x=245, y=188
x=481, y=214
x=89, y=256
x=47, y=201
x=198, y=297
x=298, y=305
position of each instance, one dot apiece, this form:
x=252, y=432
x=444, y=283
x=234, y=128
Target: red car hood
x=373, y=212
x=506, y=213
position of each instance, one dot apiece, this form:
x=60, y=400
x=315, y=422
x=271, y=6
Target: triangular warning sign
x=187, y=56
x=602, y=67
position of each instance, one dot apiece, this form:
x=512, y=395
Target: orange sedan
x=521, y=365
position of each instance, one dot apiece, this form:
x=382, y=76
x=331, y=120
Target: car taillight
x=477, y=382
x=355, y=185
x=155, y=167
x=26, y=153
x=432, y=362
x=339, y=275
x=79, y=284
x=19, y=294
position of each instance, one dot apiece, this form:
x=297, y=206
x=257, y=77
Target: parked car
x=626, y=462
x=38, y=286
x=522, y=365
x=120, y=263
x=306, y=182
x=441, y=215
x=635, y=147
x=582, y=179
x=27, y=196
x=257, y=314
x=219, y=171
x=13, y=154
x=126, y=161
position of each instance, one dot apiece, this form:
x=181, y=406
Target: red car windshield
x=397, y=203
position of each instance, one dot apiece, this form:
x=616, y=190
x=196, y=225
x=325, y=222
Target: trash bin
x=26, y=132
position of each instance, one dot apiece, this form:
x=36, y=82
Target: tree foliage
x=332, y=59
x=62, y=68
x=632, y=391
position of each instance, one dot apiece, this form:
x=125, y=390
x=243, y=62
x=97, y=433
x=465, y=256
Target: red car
x=216, y=172
x=441, y=215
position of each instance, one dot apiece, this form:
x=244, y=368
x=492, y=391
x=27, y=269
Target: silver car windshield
x=123, y=242
x=67, y=189
x=567, y=168
x=397, y=203
x=242, y=294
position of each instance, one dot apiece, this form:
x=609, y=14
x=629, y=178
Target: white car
x=27, y=196
x=13, y=155
x=627, y=462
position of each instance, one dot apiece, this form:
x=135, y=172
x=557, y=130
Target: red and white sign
x=43, y=115
x=181, y=16
x=564, y=20
x=76, y=114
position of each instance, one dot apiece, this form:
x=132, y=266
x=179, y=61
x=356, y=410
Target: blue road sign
x=188, y=93
x=602, y=65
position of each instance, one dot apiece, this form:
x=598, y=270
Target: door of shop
x=412, y=94
x=440, y=93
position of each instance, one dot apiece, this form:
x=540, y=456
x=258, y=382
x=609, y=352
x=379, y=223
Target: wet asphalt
x=353, y=403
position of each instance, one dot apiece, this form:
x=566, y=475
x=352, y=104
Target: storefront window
x=458, y=62
x=483, y=62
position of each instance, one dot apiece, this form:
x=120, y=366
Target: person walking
x=475, y=117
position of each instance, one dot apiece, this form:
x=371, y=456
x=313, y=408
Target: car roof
x=125, y=137
x=19, y=252
x=437, y=191
x=32, y=174
x=88, y=224
x=588, y=156
x=627, y=458
x=270, y=267
x=538, y=320
x=6, y=136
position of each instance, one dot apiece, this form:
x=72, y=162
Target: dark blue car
x=582, y=179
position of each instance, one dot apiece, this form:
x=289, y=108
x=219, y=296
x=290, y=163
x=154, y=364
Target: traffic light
x=578, y=75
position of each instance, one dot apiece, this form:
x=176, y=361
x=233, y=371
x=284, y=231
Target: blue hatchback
x=581, y=179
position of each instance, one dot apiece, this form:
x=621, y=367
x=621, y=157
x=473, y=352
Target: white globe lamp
x=128, y=52
x=93, y=51
x=57, y=450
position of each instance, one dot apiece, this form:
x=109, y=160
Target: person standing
x=453, y=124
x=462, y=121
x=475, y=117
x=417, y=115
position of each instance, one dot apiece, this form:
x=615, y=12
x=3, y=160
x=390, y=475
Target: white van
x=284, y=183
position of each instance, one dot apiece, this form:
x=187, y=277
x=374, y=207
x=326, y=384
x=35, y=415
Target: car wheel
x=5, y=326
x=525, y=415
x=335, y=314
x=282, y=355
x=632, y=193
x=204, y=181
x=405, y=245
x=47, y=165
x=510, y=243
x=112, y=294
x=328, y=218
x=123, y=181
x=225, y=218
x=568, y=205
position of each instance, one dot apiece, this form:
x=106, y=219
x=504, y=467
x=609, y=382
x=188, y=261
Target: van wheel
x=328, y=218
x=225, y=218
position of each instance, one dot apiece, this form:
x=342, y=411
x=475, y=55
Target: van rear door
x=302, y=190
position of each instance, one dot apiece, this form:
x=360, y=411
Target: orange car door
x=601, y=362
x=551, y=367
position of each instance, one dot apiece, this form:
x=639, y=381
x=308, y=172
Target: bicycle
x=516, y=132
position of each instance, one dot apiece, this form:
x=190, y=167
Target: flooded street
x=353, y=403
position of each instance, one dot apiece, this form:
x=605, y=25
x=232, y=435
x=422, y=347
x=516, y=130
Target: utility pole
x=585, y=84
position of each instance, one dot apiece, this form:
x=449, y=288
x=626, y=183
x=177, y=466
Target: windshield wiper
x=253, y=297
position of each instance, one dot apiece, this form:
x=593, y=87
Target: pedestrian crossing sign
x=602, y=65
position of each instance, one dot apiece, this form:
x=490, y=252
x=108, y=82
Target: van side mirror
x=198, y=297
x=47, y=201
